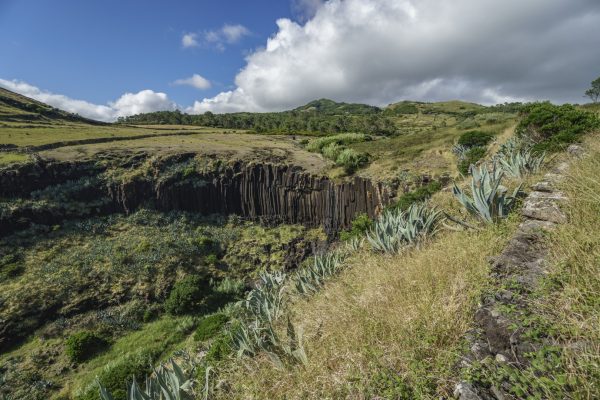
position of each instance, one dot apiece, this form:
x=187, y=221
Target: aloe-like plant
x=395, y=228
x=309, y=279
x=488, y=200
x=163, y=384
x=517, y=159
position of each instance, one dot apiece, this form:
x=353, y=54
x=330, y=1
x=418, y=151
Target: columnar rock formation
x=267, y=192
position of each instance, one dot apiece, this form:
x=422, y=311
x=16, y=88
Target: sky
x=105, y=59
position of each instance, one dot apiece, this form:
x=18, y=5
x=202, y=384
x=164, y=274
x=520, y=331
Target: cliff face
x=266, y=192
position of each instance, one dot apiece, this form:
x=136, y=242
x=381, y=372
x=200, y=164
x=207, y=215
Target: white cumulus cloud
x=380, y=51
x=197, y=81
x=189, y=40
x=128, y=104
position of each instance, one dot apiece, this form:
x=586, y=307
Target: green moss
x=210, y=326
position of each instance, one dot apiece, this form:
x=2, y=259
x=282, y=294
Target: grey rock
x=544, y=210
x=466, y=391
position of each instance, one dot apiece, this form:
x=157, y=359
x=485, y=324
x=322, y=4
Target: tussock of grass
x=389, y=326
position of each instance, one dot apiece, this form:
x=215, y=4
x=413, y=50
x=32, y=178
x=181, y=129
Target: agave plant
x=518, y=163
x=266, y=301
x=396, y=229
x=163, y=384
x=488, y=200
x=309, y=279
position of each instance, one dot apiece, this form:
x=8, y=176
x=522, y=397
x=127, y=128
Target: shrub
x=210, y=326
x=351, y=160
x=475, y=139
x=471, y=157
x=360, y=225
x=186, y=295
x=116, y=375
x=552, y=127
x=82, y=346
x=220, y=348
x=418, y=195
x=332, y=151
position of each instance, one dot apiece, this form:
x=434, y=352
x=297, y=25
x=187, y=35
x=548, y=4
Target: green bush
x=471, y=157
x=115, y=375
x=220, y=348
x=552, y=127
x=187, y=295
x=332, y=151
x=475, y=139
x=210, y=326
x=360, y=225
x=351, y=160
x=82, y=346
x=418, y=195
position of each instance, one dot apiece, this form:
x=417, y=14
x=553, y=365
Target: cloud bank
x=128, y=104
x=380, y=51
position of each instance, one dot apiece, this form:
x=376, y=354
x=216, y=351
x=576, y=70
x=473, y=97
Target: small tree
x=594, y=92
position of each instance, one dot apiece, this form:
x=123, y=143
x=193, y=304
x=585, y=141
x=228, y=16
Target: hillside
x=246, y=258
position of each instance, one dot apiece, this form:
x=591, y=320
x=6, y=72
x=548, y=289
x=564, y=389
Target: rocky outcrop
x=267, y=192
x=499, y=335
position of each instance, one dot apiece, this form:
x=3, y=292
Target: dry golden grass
x=389, y=326
x=570, y=302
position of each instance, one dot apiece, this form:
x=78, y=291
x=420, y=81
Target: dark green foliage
x=418, y=195
x=475, y=139
x=220, y=348
x=553, y=128
x=360, y=225
x=210, y=326
x=471, y=157
x=10, y=267
x=187, y=295
x=82, y=346
x=317, y=117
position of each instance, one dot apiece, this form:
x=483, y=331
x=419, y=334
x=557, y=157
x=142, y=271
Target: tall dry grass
x=389, y=326
x=570, y=300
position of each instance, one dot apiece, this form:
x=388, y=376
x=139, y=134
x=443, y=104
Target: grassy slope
x=568, y=305
x=390, y=326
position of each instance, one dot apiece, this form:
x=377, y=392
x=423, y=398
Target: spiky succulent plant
x=488, y=200
x=163, y=384
x=395, y=228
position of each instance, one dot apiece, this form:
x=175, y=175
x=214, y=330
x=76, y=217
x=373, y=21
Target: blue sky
x=105, y=59
x=96, y=50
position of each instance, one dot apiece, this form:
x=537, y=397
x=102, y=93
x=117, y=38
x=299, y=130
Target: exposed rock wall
x=268, y=192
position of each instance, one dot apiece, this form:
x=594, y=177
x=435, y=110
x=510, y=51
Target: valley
x=243, y=248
